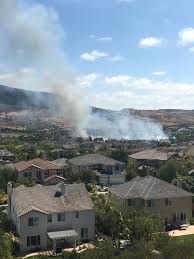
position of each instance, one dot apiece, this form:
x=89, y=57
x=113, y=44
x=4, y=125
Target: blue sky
x=136, y=53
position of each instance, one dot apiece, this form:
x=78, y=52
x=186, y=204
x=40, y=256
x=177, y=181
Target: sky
x=123, y=53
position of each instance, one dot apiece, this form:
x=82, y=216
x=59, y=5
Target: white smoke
x=32, y=36
x=116, y=125
x=32, y=39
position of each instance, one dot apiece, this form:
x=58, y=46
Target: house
x=107, y=170
x=171, y=203
x=37, y=169
x=150, y=157
x=53, y=180
x=46, y=217
x=7, y=156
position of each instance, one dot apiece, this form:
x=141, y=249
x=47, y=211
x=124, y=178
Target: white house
x=48, y=216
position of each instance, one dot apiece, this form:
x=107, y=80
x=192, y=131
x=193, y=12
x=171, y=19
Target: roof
x=151, y=154
x=62, y=234
x=43, y=164
x=93, y=159
x=4, y=152
x=191, y=172
x=148, y=188
x=44, y=199
x=60, y=162
x=51, y=177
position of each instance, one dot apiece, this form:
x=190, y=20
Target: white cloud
x=150, y=42
x=104, y=39
x=186, y=37
x=93, y=55
x=159, y=73
x=87, y=80
x=144, y=93
x=117, y=80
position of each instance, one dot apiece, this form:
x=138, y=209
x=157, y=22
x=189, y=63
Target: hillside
x=13, y=100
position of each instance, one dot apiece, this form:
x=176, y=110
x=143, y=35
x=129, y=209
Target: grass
x=185, y=238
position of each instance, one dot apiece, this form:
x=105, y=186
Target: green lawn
x=186, y=238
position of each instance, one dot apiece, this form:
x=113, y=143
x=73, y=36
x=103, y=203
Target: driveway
x=176, y=233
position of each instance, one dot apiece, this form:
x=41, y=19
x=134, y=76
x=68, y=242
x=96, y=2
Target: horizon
x=137, y=55
x=91, y=106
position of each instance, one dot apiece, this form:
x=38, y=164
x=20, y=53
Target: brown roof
x=51, y=177
x=151, y=154
x=43, y=164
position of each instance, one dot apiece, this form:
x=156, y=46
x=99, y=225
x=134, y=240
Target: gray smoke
x=116, y=125
x=32, y=36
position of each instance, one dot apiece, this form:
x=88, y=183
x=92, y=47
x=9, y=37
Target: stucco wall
x=178, y=205
x=86, y=219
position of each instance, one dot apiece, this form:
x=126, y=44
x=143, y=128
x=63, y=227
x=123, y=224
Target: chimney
x=63, y=187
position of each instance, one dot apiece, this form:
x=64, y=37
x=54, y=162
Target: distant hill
x=14, y=99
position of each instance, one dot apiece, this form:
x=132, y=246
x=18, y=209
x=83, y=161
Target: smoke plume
x=117, y=125
x=32, y=36
x=32, y=49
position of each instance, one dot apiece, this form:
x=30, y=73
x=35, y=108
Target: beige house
x=150, y=157
x=47, y=217
x=37, y=169
x=107, y=170
x=171, y=203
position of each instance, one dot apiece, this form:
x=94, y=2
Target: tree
x=6, y=246
x=109, y=220
x=144, y=226
x=168, y=172
x=120, y=155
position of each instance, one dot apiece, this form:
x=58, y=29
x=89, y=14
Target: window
x=59, y=172
x=117, y=167
x=84, y=232
x=61, y=216
x=46, y=174
x=131, y=202
x=50, y=219
x=167, y=202
x=33, y=240
x=150, y=203
x=77, y=214
x=33, y=221
x=39, y=174
x=182, y=216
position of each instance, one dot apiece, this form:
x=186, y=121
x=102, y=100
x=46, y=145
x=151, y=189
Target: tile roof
x=93, y=159
x=45, y=200
x=43, y=164
x=51, y=177
x=151, y=154
x=148, y=188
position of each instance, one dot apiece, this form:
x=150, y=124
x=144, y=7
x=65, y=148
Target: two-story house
x=107, y=170
x=158, y=197
x=38, y=170
x=151, y=157
x=47, y=217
